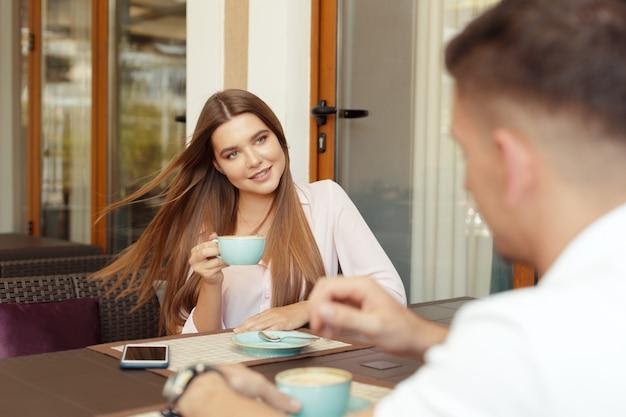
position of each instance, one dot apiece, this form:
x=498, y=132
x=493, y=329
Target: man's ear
x=517, y=162
x=217, y=166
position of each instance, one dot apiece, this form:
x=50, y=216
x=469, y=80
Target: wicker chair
x=37, y=289
x=117, y=322
x=53, y=266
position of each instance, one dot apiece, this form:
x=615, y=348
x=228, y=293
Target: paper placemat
x=217, y=348
x=372, y=393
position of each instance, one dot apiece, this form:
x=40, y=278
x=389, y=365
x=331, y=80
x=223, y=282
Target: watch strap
x=177, y=384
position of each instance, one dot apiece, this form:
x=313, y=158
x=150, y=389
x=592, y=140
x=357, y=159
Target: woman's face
x=248, y=153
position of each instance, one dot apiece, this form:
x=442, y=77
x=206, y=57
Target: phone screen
x=145, y=353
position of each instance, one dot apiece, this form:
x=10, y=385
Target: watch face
x=177, y=383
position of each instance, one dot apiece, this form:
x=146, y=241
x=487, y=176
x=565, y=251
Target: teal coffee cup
x=241, y=250
x=320, y=391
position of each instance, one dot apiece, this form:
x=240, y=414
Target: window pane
x=148, y=92
x=66, y=120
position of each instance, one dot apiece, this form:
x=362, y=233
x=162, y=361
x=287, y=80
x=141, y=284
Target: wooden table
x=83, y=382
x=15, y=246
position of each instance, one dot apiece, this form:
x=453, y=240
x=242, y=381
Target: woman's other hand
x=287, y=317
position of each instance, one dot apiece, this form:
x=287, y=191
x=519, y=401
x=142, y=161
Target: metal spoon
x=271, y=338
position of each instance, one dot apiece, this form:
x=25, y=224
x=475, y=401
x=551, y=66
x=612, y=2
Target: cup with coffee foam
x=321, y=391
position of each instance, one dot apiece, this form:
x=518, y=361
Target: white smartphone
x=145, y=356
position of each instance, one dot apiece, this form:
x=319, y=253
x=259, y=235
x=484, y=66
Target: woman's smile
x=262, y=175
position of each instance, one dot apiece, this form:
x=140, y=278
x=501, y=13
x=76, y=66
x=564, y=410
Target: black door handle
x=353, y=113
x=322, y=111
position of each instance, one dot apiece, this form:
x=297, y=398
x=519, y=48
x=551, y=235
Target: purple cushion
x=46, y=327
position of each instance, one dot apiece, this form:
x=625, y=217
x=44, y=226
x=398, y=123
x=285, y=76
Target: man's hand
x=287, y=317
x=235, y=394
x=360, y=305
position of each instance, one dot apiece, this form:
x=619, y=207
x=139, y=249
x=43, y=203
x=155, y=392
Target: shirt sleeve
x=358, y=250
x=484, y=368
x=190, y=326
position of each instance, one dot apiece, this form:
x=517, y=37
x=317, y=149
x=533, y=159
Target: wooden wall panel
x=236, y=44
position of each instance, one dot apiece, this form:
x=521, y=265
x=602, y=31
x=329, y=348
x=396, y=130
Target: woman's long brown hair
x=198, y=197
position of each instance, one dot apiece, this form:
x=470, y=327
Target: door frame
x=33, y=126
x=323, y=87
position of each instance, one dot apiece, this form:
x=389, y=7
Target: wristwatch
x=177, y=383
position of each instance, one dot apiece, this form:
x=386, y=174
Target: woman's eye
x=261, y=139
x=232, y=155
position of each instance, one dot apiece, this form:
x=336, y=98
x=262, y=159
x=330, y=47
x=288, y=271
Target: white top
x=342, y=237
x=556, y=350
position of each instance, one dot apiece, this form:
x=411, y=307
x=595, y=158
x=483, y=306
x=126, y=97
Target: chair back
x=119, y=320
x=53, y=266
x=37, y=289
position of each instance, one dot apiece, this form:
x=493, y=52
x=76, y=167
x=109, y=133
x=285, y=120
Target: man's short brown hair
x=564, y=54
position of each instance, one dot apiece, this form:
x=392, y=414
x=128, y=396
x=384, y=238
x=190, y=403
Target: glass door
x=373, y=154
x=148, y=54
x=66, y=120
x=399, y=164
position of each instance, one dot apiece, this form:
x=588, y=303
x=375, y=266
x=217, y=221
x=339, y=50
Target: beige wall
x=205, y=55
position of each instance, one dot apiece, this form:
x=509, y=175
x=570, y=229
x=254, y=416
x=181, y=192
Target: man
x=540, y=113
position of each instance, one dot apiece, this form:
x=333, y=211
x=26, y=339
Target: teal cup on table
x=241, y=250
x=321, y=391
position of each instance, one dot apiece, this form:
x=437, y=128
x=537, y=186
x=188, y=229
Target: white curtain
x=451, y=246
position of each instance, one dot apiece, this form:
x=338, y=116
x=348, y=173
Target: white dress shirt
x=342, y=237
x=556, y=350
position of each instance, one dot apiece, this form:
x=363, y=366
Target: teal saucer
x=251, y=344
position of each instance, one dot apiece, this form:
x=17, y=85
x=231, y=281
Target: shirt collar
x=600, y=243
x=302, y=195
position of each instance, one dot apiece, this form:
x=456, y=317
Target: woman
x=234, y=179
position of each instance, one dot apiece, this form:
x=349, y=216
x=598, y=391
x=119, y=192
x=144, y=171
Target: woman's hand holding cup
x=205, y=261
